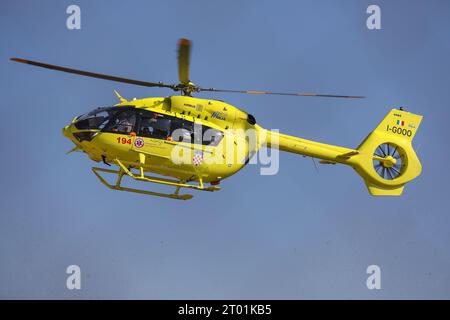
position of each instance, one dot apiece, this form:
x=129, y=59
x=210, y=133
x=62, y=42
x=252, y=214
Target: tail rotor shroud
x=389, y=161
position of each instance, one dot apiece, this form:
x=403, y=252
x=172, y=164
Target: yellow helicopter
x=195, y=143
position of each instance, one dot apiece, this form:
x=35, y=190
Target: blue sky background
x=298, y=234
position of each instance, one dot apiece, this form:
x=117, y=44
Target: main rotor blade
x=298, y=94
x=184, y=52
x=94, y=75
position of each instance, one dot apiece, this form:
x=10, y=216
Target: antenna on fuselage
x=122, y=99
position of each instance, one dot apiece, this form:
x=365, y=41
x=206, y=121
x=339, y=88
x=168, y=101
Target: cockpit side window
x=122, y=123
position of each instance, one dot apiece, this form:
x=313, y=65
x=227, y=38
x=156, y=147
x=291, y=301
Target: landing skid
x=170, y=182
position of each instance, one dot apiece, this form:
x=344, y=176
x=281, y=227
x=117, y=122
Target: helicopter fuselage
x=211, y=136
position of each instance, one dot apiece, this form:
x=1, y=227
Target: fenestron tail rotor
x=389, y=161
x=185, y=85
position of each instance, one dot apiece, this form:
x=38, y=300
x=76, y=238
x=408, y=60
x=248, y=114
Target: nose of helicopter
x=82, y=139
x=66, y=131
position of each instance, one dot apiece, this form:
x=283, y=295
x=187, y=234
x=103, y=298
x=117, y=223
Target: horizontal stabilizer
x=348, y=154
x=326, y=162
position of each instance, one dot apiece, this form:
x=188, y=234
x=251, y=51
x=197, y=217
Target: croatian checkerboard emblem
x=139, y=143
x=198, y=158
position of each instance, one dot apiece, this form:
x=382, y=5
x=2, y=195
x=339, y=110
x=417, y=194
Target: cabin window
x=154, y=125
x=212, y=137
x=196, y=133
x=181, y=130
x=160, y=126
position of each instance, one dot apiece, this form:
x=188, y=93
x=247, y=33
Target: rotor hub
x=388, y=162
x=187, y=88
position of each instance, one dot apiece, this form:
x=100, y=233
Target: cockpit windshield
x=96, y=119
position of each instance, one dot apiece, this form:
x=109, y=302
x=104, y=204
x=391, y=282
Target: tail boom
x=308, y=148
x=385, y=160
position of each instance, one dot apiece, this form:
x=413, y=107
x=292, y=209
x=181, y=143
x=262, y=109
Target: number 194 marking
x=123, y=140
